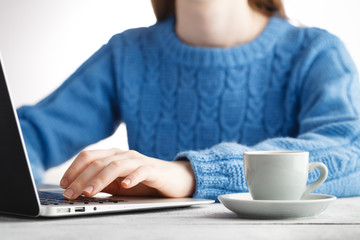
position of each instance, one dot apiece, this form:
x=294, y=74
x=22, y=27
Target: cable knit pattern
x=130, y=87
x=187, y=108
x=210, y=87
x=289, y=89
x=167, y=130
x=254, y=126
x=233, y=101
x=150, y=104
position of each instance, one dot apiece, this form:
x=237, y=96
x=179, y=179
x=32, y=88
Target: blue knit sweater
x=289, y=89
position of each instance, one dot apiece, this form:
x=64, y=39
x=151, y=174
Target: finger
x=82, y=161
x=112, y=171
x=143, y=174
x=77, y=187
x=115, y=188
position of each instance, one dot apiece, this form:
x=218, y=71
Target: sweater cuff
x=218, y=170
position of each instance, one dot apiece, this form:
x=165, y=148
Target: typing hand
x=126, y=173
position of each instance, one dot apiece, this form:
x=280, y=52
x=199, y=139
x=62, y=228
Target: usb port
x=79, y=209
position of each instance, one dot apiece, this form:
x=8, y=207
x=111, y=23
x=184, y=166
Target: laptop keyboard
x=51, y=198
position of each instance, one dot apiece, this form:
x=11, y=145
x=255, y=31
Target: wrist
x=189, y=177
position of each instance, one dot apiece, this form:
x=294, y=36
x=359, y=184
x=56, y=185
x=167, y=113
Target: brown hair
x=165, y=8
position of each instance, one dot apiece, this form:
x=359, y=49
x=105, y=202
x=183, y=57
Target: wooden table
x=340, y=221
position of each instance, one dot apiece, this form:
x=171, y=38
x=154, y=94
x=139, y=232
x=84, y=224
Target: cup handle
x=323, y=175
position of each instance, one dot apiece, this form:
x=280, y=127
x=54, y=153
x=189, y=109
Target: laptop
x=19, y=194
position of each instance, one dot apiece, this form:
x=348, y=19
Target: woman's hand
x=127, y=173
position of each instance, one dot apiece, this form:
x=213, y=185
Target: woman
x=196, y=90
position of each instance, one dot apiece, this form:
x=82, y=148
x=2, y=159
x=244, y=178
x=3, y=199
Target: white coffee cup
x=281, y=175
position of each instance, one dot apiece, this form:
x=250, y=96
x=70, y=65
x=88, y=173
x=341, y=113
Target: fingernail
x=127, y=181
x=64, y=182
x=89, y=189
x=68, y=193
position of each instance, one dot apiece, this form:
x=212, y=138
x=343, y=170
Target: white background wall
x=43, y=41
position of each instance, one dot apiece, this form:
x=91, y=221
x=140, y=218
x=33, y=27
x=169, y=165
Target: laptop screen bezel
x=18, y=190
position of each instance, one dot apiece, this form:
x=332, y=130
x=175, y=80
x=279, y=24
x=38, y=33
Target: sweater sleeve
x=83, y=110
x=329, y=128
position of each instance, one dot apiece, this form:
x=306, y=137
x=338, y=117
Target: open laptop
x=19, y=194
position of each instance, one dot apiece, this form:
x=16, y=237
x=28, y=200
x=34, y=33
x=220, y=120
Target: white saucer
x=244, y=206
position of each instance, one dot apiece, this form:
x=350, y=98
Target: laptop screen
x=17, y=194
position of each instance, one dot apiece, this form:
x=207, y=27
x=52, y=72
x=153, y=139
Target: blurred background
x=43, y=41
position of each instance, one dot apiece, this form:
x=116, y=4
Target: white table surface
x=340, y=221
